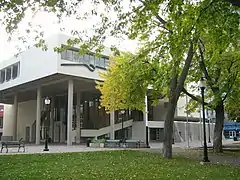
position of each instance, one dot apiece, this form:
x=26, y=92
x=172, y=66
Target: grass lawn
x=109, y=165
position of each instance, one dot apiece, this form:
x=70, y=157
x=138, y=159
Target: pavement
x=34, y=149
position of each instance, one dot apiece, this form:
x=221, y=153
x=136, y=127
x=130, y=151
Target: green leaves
x=125, y=83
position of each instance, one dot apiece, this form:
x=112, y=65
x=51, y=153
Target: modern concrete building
x=74, y=113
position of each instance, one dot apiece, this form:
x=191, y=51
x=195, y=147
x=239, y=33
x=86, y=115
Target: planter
x=97, y=145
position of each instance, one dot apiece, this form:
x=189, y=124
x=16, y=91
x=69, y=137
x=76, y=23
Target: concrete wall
x=159, y=112
x=195, y=130
x=26, y=117
x=8, y=120
x=34, y=64
x=138, y=130
x=181, y=110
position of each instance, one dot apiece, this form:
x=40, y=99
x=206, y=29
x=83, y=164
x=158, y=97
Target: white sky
x=50, y=26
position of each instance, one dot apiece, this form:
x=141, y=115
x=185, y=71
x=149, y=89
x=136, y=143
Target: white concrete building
x=74, y=113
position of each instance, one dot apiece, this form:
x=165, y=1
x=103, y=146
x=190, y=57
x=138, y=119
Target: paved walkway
x=33, y=149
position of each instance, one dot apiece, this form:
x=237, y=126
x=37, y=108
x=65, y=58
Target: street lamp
x=202, y=86
x=209, y=136
x=122, y=113
x=47, y=102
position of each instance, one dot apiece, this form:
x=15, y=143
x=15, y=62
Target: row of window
x=10, y=72
x=88, y=59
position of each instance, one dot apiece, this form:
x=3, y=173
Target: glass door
x=232, y=134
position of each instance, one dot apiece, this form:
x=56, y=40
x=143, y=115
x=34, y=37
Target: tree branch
x=185, y=69
x=230, y=88
x=158, y=17
x=205, y=71
x=195, y=98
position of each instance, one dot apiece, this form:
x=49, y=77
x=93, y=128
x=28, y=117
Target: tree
x=222, y=75
x=169, y=33
x=232, y=103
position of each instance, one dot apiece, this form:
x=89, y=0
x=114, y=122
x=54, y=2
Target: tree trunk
x=217, y=140
x=168, y=130
x=168, y=123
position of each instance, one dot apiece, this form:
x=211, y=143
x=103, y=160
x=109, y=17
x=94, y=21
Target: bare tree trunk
x=217, y=140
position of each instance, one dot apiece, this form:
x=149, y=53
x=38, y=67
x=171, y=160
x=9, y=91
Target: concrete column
x=78, y=128
x=38, y=116
x=70, y=112
x=51, y=130
x=112, y=124
x=145, y=118
x=15, y=114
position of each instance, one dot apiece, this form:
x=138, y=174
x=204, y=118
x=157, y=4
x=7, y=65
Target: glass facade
x=91, y=115
x=72, y=55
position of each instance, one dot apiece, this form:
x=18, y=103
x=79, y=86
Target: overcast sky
x=50, y=26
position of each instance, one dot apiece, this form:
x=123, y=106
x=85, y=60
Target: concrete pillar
x=78, y=128
x=51, y=130
x=145, y=118
x=112, y=124
x=15, y=114
x=38, y=115
x=70, y=112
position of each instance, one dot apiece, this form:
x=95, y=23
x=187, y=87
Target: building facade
x=73, y=115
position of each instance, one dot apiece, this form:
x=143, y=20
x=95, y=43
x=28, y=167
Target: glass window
x=91, y=104
x=2, y=78
x=75, y=56
x=8, y=73
x=64, y=55
x=97, y=61
x=15, y=70
x=69, y=55
x=106, y=62
x=86, y=59
x=102, y=62
x=91, y=60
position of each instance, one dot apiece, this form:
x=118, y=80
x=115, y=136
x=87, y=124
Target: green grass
x=109, y=165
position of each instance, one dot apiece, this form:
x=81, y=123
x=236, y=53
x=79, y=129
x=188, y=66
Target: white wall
x=139, y=130
x=26, y=117
x=80, y=71
x=181, y=110
x=8, y=121
x=159, y=112
x=34, y=64
x=195, y=130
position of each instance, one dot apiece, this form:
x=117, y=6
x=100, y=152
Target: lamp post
x=47, y=102
x=202, y=86
x=209, y=136
x=122, y=113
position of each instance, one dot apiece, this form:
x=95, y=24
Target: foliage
x=218, y=58
x=232, y=104
x=125, y=83
x=109, y=165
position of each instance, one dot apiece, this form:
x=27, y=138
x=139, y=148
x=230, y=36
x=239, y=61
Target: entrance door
x=232, y=134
